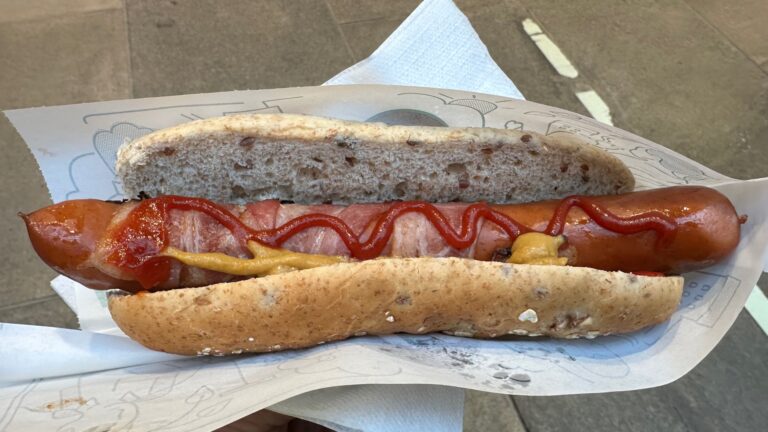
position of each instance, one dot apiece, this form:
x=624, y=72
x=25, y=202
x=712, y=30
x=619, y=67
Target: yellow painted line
x=596, y=106
x=757, y=305
x=552, y=52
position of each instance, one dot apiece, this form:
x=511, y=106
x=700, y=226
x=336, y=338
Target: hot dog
x=660, y=231
x=196, y=276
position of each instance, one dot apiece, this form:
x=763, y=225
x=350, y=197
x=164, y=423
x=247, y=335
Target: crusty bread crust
x=411, y=295
x=246, y=158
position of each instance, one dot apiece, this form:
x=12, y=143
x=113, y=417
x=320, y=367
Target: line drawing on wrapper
x=514, y=125
x=203, y=397
x=266, y=106
x=585, y=122
x=481, y=106
x=72, y=410
x=205, y=402
x=16, y=402
x=707, y=297
x=679, y=169
x=676, y=170
x=71, y=170
x=516, y=362
x=105, y=144
x=88, y=116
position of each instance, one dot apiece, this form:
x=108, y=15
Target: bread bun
x=411, y=295
x=246, y=158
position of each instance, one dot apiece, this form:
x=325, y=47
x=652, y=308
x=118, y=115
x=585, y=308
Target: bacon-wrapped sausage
x=108, y=245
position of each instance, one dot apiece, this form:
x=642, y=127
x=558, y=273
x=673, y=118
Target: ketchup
x=143, y=234
x=137, y=241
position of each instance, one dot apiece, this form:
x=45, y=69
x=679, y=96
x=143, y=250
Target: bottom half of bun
x=410, y=295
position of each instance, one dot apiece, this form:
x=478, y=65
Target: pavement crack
x=28, y=302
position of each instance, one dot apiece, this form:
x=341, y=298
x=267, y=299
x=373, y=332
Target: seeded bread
x=411, y=295
x=309, y=159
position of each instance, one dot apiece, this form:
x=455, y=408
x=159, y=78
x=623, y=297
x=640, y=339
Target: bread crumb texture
x=307, y=159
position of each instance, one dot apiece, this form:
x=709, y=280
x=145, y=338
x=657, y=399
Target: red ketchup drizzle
x=134, y=245
x=143, y=234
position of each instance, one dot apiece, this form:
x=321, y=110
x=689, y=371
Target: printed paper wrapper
x=76, y=148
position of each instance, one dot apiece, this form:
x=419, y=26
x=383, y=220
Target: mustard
x=537, y=248
x=529, y=248
x=266, y=261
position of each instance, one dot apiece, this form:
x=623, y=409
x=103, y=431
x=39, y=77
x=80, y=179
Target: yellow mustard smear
x=529, y=248
x=537, y=248
x=266, y=261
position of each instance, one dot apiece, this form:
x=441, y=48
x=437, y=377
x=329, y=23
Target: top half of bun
x=309, y=159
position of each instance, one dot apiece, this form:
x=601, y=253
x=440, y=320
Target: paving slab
x=669, y=76
x=180, y=47
x=48, y=311
x=490, y=412
x=347, y=11
x=23, y=276
x=726, y=392
x=742, y=22
x=499, y=25
x=57, y=59
x=363, y=37
x=49, y=55
x=20, y=10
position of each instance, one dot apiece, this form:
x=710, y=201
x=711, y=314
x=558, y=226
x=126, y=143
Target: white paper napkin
x=380, y=408
x=435, y=46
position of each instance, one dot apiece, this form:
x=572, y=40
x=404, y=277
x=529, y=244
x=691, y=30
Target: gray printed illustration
x=103, y=158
